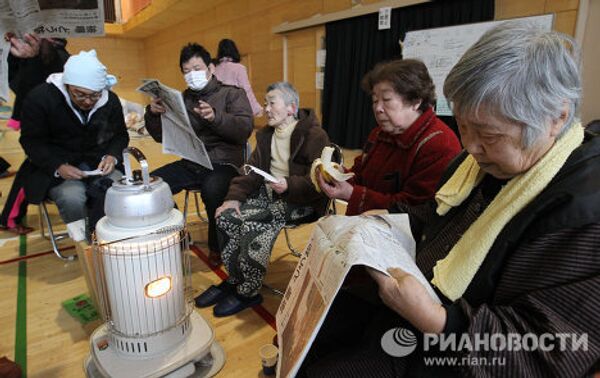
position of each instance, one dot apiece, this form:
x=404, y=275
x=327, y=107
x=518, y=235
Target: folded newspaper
x=336, y=244
x=247, y=168
x=178, y=136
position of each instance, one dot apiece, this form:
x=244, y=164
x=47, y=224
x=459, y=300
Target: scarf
x=453, y=274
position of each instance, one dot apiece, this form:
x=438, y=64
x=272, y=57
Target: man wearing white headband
x=71, y=126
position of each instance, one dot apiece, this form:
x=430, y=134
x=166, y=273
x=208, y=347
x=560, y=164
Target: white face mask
x=196, y=80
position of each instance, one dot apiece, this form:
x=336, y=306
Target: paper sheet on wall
x=4, y=50
x=178, y=136
x=321, y=57
x=319, y=80
x=441, y=48
x=336, y=244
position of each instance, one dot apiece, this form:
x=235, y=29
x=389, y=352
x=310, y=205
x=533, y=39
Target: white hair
x=289, y=94
x=518, y=73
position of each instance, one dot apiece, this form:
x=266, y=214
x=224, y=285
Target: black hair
x=228, y=49
x=191, y=50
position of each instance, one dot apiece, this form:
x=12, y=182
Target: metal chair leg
x=185, y=206
x=51, y=236
x=273, y=290
x=293, y=250
x=202, y=218
x=41, y=220
x=196, y=204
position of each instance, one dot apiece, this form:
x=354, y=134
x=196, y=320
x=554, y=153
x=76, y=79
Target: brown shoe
x=18, y=229
x=214, y=259
x=9, y=369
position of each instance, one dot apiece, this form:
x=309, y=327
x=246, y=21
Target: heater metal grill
x=144, y=286
x=143, y=277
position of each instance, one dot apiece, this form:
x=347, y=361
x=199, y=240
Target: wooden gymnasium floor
x=47, y=342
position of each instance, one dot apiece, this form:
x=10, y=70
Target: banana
x=330, y=171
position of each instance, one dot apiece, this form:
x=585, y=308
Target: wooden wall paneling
x=297, y=10
x=130, y=8
x=302, y=50
x=565, y=22
x=242, y=33
x=565, y=11
x=560, y=5
x=330, y=6
x=518, y=8
x=268, y=68
x=231, y=11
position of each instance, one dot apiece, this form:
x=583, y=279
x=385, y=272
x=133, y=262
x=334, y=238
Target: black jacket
x=51, y=135
x=26, y=74
x=541, y=274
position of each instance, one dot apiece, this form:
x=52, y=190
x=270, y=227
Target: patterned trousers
x=248, y=239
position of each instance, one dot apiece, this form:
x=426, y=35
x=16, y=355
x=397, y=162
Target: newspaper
x=247, y=168
x=4, y=50
x=336, y=244
x=53, y=18
x=178, y=136
x=47, y=18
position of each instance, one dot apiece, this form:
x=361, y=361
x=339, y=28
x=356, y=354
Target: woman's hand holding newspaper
x=405, y=295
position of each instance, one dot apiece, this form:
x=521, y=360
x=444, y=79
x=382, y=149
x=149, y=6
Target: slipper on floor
x=18, y=229
x=234, y=303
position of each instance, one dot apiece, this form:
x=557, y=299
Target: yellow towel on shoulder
x=453, y=274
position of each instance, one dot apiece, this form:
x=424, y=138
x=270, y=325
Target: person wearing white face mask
x=222, y=118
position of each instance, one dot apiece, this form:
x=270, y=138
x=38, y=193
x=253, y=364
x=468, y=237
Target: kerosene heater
x=143, y=273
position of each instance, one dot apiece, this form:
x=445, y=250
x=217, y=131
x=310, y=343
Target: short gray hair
x=290, y=94
x=520, y=74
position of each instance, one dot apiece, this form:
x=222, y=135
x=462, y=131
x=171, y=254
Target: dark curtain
x=355, y=45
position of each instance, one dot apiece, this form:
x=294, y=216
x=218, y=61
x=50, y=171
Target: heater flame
x=158, y=287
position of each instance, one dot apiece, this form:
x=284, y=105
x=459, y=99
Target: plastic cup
x=268, y=355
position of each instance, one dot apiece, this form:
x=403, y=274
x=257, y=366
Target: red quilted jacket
x=402, y=168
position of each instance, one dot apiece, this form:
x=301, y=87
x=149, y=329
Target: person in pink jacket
x=230, y=71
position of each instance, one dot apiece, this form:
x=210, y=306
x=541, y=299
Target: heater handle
x=139, y=156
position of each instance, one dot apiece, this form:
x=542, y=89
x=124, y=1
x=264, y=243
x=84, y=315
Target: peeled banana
x=330, y=171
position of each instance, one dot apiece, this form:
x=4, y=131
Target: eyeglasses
x=95, y=96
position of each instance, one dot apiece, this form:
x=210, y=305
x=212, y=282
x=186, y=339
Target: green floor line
x=21, y=324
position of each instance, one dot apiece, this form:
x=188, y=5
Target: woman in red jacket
x=406, y=153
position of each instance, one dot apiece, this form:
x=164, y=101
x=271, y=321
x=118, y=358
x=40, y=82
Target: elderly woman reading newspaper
x=511, y=243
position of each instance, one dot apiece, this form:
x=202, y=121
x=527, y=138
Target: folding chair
x=52, y=236
x=195, y=192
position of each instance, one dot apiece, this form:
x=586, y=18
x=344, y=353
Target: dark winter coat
x=306, y=144
x=52, y=135
x=226, y=136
